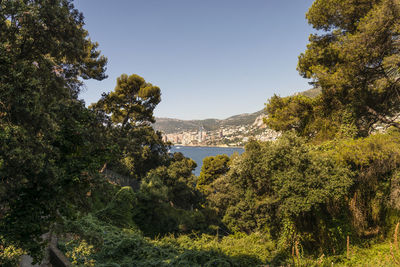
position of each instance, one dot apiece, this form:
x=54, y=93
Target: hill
x=169, y=125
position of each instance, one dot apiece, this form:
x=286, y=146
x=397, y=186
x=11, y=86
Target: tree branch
x=383, y=118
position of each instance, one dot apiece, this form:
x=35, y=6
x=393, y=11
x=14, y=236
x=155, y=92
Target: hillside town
x=229, y=136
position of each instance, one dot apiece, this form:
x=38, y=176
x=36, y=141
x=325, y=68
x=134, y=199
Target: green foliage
x=127, y=111
x=355, y=60
x=308, y=118
x=212, y=168
x=100, y=195
x=9, y=255
x=126, y=247
x=380, y=148
x=378, y=254
x=132, y=101
x=178, y=180
x=375, y=161
x=283, y=181
x=312, y=194
x=332, y=14
x=50, y=143
x=168, y=200
x=120, y=210
x=306, y=192
x=293, y=112
x=142, y=150
x=80, y=254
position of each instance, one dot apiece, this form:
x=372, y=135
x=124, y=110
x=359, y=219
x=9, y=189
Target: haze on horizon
x=211, y=59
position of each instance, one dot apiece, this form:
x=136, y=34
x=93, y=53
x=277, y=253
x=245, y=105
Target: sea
x=199, y=153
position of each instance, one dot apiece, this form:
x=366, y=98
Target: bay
x=199, y=153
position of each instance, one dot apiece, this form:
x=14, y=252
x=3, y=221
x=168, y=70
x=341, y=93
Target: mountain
x=313, y=92
x=168, y=125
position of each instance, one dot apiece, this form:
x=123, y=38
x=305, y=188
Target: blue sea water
x=199, y=153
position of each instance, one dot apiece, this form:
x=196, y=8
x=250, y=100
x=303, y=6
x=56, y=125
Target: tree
x=168, y=200
x=355, y=59
x=290, y=113
x=308, y=117
x=47, y=136
x=213, y=167
x=273, y=185
x=128, y=112
x=131, y=103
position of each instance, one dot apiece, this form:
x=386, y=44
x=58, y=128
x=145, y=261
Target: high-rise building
x=201, y=134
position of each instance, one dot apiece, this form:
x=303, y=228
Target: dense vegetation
x=327, y=191
x=354, y=59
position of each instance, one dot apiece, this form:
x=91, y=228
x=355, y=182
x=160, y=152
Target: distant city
x=234, y=131
x=228, y=135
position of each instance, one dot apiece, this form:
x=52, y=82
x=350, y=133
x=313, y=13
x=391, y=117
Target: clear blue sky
x=211, y=58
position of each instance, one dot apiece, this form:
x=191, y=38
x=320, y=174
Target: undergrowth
x=91, y=242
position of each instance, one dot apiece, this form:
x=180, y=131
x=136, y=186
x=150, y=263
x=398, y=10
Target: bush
x=128, y=247
x=9, y=254
x=120, y=210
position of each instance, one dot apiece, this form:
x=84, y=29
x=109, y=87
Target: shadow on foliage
x=106, y=245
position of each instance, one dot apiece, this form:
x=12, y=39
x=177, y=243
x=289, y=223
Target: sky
x=210, y=58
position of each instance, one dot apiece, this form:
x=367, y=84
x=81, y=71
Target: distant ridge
x=169, y=125
x=311, y=92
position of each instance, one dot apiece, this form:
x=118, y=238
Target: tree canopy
x=132, y=101
x=324, y=179
x=355, y=59
x=45, y=130
x=128, y=111
x=213, y=167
